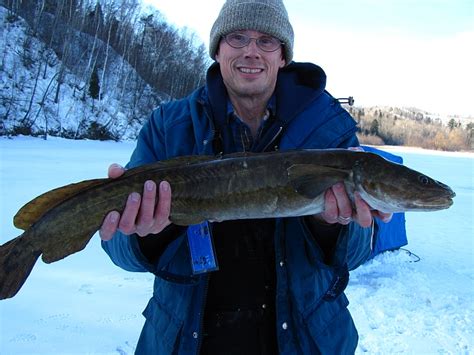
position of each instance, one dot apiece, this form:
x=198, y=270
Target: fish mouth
x=436, y=203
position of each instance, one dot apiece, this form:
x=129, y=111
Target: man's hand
x=142, y=214
x=338, y=209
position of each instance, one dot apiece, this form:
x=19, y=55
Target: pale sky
x=417, y=53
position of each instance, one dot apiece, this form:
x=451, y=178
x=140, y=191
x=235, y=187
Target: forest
x=412, y=127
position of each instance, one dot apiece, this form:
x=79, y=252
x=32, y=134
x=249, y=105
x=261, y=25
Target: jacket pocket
x=331, y=327
x=160, y=332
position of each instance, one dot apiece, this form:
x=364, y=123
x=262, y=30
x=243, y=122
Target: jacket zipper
x=201, y=320
x=273, y=139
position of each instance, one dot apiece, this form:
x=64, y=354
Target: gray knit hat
x=267, y=16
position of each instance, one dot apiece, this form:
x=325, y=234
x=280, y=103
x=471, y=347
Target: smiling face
x=249, y=71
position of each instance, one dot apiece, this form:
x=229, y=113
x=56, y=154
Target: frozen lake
x=86, y=305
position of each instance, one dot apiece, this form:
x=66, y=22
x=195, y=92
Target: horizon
x=376, y=51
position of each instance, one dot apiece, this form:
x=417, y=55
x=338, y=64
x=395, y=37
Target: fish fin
x=185, y=220
x=33, y=210
x=187, y=160
x=168, y=163
x=239, y=155
x=17, y=258
x=312, y=180
x=80, y=240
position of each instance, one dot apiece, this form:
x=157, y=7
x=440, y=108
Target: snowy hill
x=415, y=114
x=32, y=103
x=94, y=71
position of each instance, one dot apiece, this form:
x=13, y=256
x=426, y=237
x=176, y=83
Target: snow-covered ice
x=86, y=305
x=426, y=307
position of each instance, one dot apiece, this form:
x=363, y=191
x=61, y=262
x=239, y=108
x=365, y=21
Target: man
x=279, y=287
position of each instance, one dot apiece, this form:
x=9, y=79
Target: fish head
x=391, y=187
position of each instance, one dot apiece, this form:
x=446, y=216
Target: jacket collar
x=298, y=84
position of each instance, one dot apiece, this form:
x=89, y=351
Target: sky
x=414, y=53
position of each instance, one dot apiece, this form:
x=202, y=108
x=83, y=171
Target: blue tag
x=201, y=247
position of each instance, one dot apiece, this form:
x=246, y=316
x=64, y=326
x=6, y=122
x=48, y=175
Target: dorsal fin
x=186, y=160
x=239, y=155
x=33, y=210
x=169, y=163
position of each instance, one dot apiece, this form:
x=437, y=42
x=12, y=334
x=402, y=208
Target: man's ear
x=283, y=58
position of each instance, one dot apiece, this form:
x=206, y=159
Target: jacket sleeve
x=359, y=244
x=125, y=252
x=339, y=245
x=132, y=252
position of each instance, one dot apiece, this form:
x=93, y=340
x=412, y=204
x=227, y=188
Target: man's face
x=249, y=71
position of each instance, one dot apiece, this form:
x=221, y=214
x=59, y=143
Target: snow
x=86, y=305
x=400, y=306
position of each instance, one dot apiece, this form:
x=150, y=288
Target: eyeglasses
x=265, y=43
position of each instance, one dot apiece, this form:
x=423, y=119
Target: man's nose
x=252, y=49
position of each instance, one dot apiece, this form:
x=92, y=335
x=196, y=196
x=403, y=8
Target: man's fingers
x=344, y=204
x=337, y=206
x=383, y=216
x=109, y=226
x=330, y=208
x=363, y=214
x=112, y=220
x=115, y=171
x=141, y=214
x=163, y=209
x=147, y=208
x=130, y=213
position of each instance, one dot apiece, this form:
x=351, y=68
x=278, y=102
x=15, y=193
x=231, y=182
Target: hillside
x=72, y=79
x=380, y=125
x=32, y=103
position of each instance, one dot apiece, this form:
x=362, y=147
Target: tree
x=94, y=85
x=452, y=124
x=374, y=128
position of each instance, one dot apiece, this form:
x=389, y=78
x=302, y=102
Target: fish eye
x=424, y=180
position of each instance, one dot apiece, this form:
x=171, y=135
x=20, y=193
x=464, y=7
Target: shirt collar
x=271, y=109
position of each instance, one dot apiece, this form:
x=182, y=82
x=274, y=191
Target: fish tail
x=17, y=258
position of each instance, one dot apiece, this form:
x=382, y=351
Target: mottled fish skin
x=240, y=186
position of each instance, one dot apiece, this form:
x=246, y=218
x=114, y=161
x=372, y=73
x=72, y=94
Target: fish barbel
x=239, y=186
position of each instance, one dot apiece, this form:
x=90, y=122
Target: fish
x=279, y=184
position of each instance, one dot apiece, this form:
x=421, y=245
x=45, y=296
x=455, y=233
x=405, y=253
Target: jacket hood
x=307, y=75
x=298, y=84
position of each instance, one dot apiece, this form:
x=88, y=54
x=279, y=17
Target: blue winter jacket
x=312, y=315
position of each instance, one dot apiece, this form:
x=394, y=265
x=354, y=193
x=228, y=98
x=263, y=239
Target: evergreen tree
x=374, y=127
x=94, y=85
x=452, y=124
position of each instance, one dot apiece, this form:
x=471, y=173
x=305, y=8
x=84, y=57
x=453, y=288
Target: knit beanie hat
x=267, y=16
